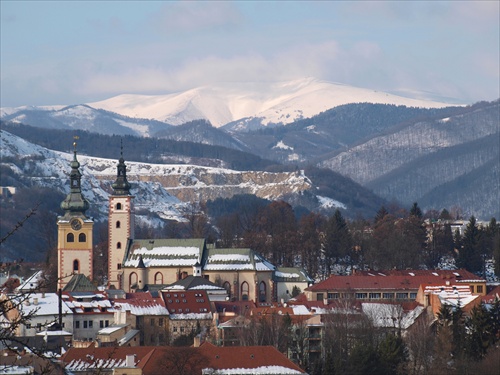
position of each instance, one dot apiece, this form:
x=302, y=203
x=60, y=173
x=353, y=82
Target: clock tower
x=74, y=231
x=120, y=224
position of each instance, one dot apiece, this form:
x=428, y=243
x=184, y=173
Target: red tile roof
x=247, y=357
x=186, y=301
x=152, y=359
x=393, y=280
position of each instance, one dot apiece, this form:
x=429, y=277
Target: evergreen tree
x=445, y=215
x=338, y=242
x=469, y=255
x=416, y=211
x=393, y=353
x=381, y=214
x=479, y=332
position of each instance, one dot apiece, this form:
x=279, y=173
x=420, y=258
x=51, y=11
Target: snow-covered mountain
x=239, y=106
x=166, y=190
x=272, y=102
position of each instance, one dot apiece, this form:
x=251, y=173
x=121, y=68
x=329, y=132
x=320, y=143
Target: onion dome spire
x=121, y=186
x=75, y=203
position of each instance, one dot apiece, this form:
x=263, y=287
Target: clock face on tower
x=76, y=224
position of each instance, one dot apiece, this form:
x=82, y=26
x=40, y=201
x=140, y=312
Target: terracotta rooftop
x=246, y=357
x=183, y=302
x=393, y=280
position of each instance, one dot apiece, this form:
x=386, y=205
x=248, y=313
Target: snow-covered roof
x=391, y=315
x=291, y=274
x=267, y=370
x=165, y=252
x=235, y=260
x=40, y=304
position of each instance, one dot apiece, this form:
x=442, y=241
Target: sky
x=73, y=52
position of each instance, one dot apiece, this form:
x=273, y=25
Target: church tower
x=120, y=224
x=74, y=231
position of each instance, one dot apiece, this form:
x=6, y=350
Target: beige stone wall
x=118, y=236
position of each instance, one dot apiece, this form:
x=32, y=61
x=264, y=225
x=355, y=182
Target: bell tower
x=120, y=224
x=74, y=231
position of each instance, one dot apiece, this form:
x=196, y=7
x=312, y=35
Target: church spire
x=75, y=203
x=121, y=186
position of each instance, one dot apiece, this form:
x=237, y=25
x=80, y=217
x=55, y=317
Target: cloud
x=195, y=16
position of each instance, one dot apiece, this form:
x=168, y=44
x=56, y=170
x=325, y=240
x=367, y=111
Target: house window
x=244, y=291
x=401, y=295
x=85, y=324
x=76, y=265
x=160, y=322
x=118, y=206
x=101, y=323
x=28, y=325
x=118, y=245
x=91, y=324
x=319, y=297
x=388, y=295
x=332, y=295
x=361, y=295
x=182, y=329
x=77, y=324
x=174, y=329
x=152, y=322
x=479, y=289
x=82, y=237
x=159, y=278
x=374, y=295
x=118, y=224
x=413, y=295
x=262, y=291
x=70, y=237
x=106, y=323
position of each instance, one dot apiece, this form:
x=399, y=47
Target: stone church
x=147, y=264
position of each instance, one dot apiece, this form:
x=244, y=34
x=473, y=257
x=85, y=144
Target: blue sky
x=71, y=52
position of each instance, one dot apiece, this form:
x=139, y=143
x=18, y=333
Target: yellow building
x=74, y=231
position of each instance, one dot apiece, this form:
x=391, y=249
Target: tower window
x=70, y=237
x=118, y=206
x=118, y=224
x=82, y=237
x=118, y=245
x=76, y=265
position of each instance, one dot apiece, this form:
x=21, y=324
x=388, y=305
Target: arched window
x=244, y=291
x=118, y=206
x=82, y=237
x=158, y=278
x=118, y=245
x=227, y=286
x=70, y=237
x=132, y=280
x=262, y=291
x=118, y=224
x=76, y=266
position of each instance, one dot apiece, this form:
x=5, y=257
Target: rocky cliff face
x=199, y=184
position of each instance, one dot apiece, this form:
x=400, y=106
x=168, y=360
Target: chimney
x=35, y=300
x=197, y=341
x=325, y=301
x=130, y=360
